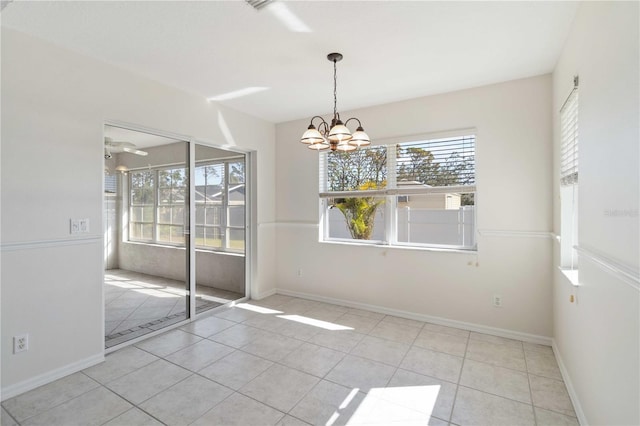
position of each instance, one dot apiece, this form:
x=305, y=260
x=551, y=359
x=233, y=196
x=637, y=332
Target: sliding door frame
x=250, y=221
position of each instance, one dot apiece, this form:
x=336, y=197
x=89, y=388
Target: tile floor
x=137, y=304
x=290, y=361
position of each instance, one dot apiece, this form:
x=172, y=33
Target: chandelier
x=335, y=136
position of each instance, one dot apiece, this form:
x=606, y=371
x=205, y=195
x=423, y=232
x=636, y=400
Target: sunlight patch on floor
x=317, y=323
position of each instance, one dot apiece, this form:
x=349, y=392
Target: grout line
x=455, y=395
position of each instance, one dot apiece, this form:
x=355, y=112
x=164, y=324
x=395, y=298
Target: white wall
x=514, y=170
x=54, y=105
x=598, y=337
x=225, y=271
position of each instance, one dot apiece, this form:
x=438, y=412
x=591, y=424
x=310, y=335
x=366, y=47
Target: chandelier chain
x=335, y=93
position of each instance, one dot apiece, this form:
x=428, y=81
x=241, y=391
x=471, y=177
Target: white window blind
x=437, y=162
x=569, y=139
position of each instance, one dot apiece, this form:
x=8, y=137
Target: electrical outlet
x=497, y=301
x=20, y=343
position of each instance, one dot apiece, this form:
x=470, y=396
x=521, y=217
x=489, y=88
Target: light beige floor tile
x=120, y=314
x=434, y=421
x=208, y=326
x=342, y=340
x=273, y=348
x=92, y=408
x=169, y=342
x=551, y=394
x=291, y=421
x=550, y=418
x=6, y=419
x=241, y=411
x=199, y=355
x=270, y=323
x=439, y=393
x=272, y=301
x=148, y=381
x=435, y=364
x=361, y=373
x=495, y=339
x=358, y=322
x=280, y=387
x=313, y=359
x=402, y=321
x=542, y=364
x=324, y=314
x=473, y=407
x=150, y=312
x=333, y=307
x=109, y=326
x=45, y=397
x=381, y=350
x=389, y=406
x=328, y=402
x=119, y=363
x=538, y=348
x=396, y=332
x=186, y=401
x=365, y=313
x=239, y=335
x=453, y=345
x=297, y=306
x=237, y=314
x=499, y=381
x=452, y=331
x=295, y=327
x=236, y=369
x=133, y=417
x=507, y=356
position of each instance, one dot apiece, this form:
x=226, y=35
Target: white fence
x=454, y=227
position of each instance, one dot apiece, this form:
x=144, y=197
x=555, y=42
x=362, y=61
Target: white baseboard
x=494, y=331
x=264, y=294
x=567, y=382
x=48, y=377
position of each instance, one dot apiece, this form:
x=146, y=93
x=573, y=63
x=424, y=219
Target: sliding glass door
x=220, y=205
x=175, y=220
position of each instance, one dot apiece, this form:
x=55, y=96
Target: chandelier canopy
x=336, y=136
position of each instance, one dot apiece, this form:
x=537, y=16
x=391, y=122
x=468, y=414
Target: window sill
x=400, y=247
x=571, y=275
x=198, y=250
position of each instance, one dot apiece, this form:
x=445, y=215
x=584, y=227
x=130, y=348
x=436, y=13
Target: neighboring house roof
x=214, y=193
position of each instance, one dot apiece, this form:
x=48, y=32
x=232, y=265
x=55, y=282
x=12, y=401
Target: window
x=569, y=183
x=158, y=209
x=416, y=193
x=142, y=205
x=220, y=205
x=172, y=188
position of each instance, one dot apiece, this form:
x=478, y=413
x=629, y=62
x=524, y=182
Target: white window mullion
x=391, y=217
x=225, y=208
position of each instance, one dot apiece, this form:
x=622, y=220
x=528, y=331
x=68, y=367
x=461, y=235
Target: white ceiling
x=393, y=50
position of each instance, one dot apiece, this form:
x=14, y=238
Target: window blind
x=437, y=162
x=569, y=140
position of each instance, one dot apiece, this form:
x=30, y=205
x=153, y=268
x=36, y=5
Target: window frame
x=224, y=225
x=391, y=193
x=568, y=117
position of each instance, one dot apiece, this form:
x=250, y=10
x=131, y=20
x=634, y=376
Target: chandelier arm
x=321, y=119
x=353, y=118
x=323, y=127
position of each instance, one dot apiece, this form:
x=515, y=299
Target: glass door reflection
x=220, y=205
x=146, y=279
